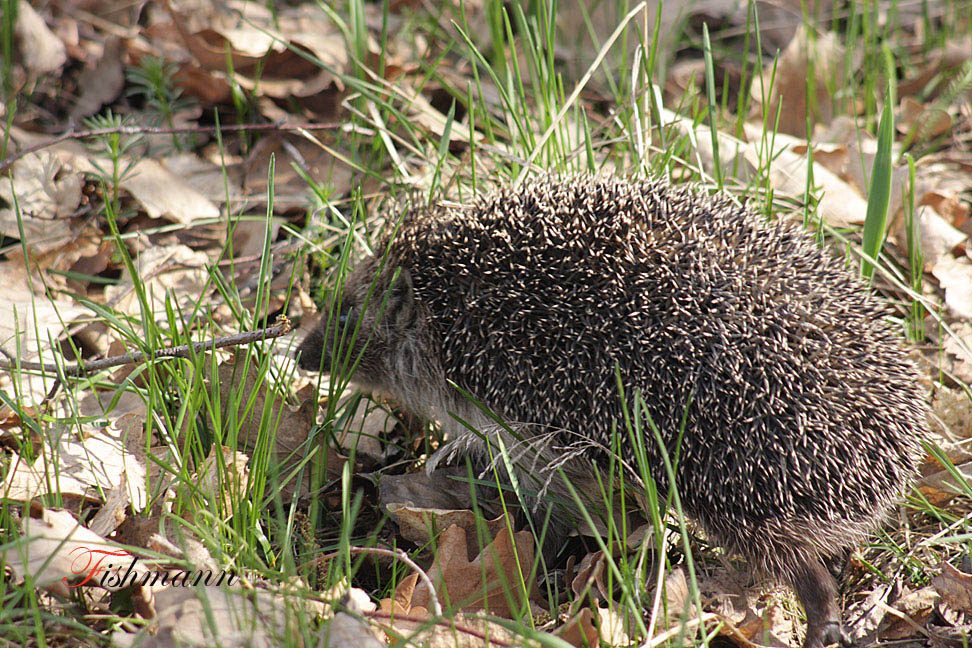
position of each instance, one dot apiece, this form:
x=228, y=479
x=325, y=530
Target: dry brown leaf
x=954, y=632
x=831, y=156
x=91, y=261
x=250, y=237
x=951, y=424
x=101, y=81
x=955, y=277
x=66, y=29
x=175, y=270
x=206, y=177
x=780, y=19
x=279, y=45
x=46, y=194
x=401, y=605
x=61, y=554
x=868, y=612
x=346, y=631
x=749, y=613
x=211, y=49
x=423, y=113
x=677, y=603
x=788, y=79
x=290, y=189
x=940, y=60
x=208, y=616
x=310, y=27
x=839, y=204
x=590, y=573
x=471, y=632
x=950, y=206
x=419, y=525
x=938, y=238
x=849, y=153
x=12, y=426
x=362, y=430
x=684, y=80
x=28, y=323
x=911, y=610
x=921, y=123
x=113, y=512
x=287, y=87
x=954, y=408
x=41, y=51
x=599, y=19
x=202, y=84
x=461, y=632
x=221, y=479
x=30, y=319
x=943, y=186
x=273, y=53
x=83, y=463
x=955, y=588
x=613, y=628
x=151, y=532
x=957, y=345
x=940, y=487
x=124, y=410
x=579, y=631
x=163, y=194
x=461, y=582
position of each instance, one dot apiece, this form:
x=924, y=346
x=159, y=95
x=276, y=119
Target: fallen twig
x=444, y=623
x=282, y=327
x=158, y=130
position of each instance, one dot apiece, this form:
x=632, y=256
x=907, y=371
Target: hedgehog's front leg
x=818, y=592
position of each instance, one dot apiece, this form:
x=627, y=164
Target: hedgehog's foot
x=818, y=593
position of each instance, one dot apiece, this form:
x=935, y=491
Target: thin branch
x=181, y=351
x=158, y=130
x=400, y=555
x=444, y=623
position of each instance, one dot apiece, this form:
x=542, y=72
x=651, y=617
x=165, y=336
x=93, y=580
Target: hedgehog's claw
x=827, y=634
x=833, y=633
x=817, y=590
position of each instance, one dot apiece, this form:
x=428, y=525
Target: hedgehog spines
x=803, y=415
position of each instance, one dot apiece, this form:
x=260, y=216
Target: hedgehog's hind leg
x=817, y=590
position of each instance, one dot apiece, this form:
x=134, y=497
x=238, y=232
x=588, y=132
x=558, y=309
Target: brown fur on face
x=376, y=325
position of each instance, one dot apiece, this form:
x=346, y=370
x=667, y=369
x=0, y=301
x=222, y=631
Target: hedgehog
x=774, y=382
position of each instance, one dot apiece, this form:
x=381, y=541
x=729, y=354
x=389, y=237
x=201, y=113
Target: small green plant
x=152, y=80
x=916, y=260
x=116, y=147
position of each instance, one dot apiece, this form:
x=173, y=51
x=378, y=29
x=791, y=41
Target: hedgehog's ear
x=401, y=301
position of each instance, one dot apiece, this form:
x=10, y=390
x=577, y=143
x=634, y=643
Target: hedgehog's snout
x=309, y=353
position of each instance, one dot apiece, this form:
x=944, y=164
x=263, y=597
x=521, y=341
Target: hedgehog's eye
x=346, y=314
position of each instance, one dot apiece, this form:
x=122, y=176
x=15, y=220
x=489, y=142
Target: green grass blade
x=879, y=194
x=712, y=105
